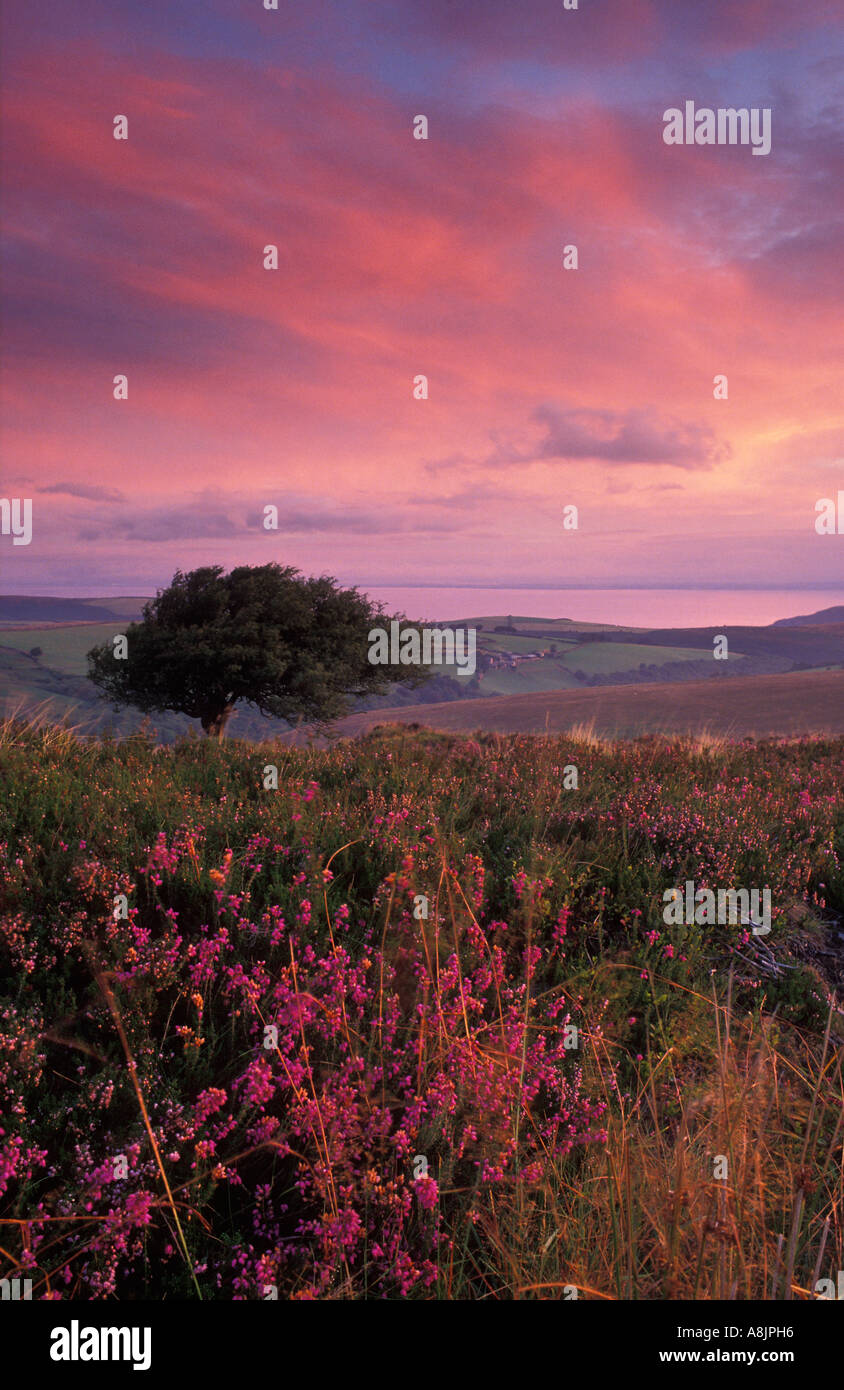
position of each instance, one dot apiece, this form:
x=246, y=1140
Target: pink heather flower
x=668, y=951
x=208, y=1102
x=532, y=957
x=136, y=1207
x=427, y=1192
x=519, y=883
x=257, y=1082
x=561, y=925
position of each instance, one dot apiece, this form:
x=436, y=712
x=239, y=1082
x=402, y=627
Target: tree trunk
x=214, y=723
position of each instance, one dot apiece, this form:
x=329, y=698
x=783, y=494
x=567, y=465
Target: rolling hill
x=821, y=618
x=788, y=706
x=812, y=644
x=601, y=669
x=33, y=610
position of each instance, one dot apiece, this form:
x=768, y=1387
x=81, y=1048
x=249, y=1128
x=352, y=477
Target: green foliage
x=294, y=647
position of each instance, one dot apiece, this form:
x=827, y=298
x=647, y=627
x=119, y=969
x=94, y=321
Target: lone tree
x=293, y=646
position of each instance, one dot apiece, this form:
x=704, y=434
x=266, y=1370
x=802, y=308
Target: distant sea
x=626, y=607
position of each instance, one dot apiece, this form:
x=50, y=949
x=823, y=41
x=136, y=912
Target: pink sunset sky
x=399, y=257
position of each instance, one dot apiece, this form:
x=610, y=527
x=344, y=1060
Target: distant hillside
x=24, y=608
x=806, y=645
x=44, y=644
x=826, y=615
x=782, y=706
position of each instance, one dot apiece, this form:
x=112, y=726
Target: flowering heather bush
x=346, y=1034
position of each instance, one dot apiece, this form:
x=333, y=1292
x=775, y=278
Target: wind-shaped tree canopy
x=293, y=646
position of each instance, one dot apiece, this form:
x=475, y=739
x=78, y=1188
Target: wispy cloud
x=90, y=492
x=165, y=525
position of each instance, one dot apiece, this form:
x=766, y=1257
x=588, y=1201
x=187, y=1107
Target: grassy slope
x=63, y=648
x=53, y=696
x=594, y=658
x=529, y=677
x=599, y=658
x=129, y=607
x=800, y=702
x=32, y=611
x=823, y=644
x=505, y=641
x=59, y=676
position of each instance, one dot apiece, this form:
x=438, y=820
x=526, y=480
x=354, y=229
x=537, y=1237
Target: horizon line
x=505, y=588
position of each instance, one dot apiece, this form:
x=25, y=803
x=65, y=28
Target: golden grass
x=722, y=1181
x=798, y=704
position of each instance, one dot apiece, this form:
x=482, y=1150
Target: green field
x=601, y=658
x=54, y=696
x=63, y=648
x=547, y=674
x=593, y=658
x=504, y=641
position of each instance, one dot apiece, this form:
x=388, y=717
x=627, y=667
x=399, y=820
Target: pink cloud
x=397, y=257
